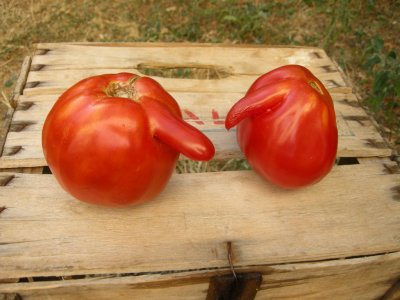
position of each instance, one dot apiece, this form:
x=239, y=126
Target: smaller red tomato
x=286, y=127
x=114, y=139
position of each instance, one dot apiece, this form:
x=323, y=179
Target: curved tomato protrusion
x=176, y=133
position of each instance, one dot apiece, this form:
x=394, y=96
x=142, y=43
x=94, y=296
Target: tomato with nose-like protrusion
x=286, y=127
x=114, y=139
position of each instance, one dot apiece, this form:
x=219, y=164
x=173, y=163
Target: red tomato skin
x=288, y=150
x=293, y=143
x=104, y=150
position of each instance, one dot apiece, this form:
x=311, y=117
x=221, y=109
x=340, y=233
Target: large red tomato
x=114, y=139
x=286, y=127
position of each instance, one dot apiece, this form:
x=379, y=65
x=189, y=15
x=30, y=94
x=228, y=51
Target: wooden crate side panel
x=189, y=224
x=357, y=278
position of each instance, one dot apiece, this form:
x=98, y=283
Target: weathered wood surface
x=205, y=103
x=356, y=278
x=354, y=211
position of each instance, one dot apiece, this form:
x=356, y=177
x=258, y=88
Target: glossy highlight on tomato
x=114, y=139
x=286, y=127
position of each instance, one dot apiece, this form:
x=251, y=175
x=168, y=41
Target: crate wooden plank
x=206, y=111
x=55, y=67
x=248, y=59
x=58, y=81
x=35, y=108
x=333, y=279
x=45, y=232
x=48, y=77
x=235, y=84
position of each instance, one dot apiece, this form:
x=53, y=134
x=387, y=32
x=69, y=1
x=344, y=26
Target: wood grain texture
x=356, y=278
x=46, y=232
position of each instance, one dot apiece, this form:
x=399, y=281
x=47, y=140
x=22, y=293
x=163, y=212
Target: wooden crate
x=338, y=239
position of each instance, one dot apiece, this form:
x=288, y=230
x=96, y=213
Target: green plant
x=383, y=68
x=341, y=15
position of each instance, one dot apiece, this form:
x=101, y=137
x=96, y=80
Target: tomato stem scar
x=123, y=89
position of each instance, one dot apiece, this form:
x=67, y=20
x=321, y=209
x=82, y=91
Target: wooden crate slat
x=240, y=60
x=45, y=232
x=206, y=111
x=198, y=108
x=67, y=77
x=225, y=144
x=59, y=80
x=239, y=84
x=360, y=139
x=201, y=104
